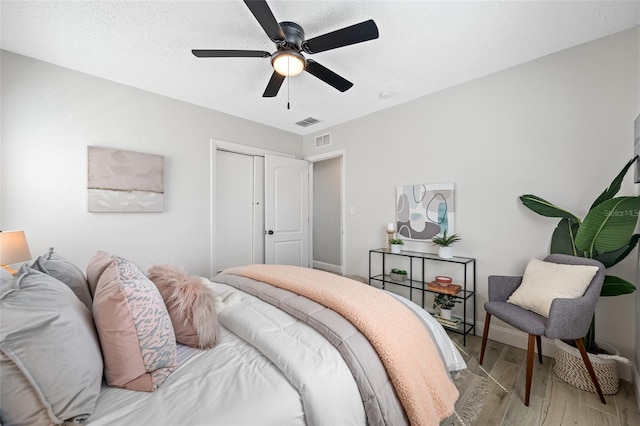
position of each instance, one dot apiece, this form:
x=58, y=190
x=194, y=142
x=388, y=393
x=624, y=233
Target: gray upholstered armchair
x=569, y=319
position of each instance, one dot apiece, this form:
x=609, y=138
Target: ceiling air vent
x=309, y=121
x=323, y=140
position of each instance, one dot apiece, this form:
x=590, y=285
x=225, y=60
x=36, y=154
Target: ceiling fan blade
x=364, y=31
x=274, y=85
x=267, y=21
x=328, y=76
x=221, y=53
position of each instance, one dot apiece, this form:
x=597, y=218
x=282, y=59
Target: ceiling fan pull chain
x=288, y=85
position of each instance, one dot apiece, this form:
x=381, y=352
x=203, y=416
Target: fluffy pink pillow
x=191, y=303
x=134, y=327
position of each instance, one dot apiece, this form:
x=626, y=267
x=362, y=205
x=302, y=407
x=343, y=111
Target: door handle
x=270, y=232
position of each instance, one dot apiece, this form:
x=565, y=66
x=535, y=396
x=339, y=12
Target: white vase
x=445, y=314
x=445, y=252
x=396, y=248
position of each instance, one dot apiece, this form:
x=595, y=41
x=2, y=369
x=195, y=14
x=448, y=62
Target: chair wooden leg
x=530, y=349
x=487, y=320
x=592, y=373
x=539, y=342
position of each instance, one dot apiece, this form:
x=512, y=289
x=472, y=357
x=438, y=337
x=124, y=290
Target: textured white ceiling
x=424, y=47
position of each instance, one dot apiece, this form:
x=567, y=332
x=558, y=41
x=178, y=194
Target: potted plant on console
x=396, y=245
x=605, y=234
x=398, y=274
x=446, y=304
x=445, y=243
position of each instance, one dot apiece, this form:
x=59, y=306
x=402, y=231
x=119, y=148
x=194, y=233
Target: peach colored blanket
x=404, y=346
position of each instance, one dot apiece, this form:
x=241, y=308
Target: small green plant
x=445, y=241
x=398, y=271
x=445, y=301
x=395, y=241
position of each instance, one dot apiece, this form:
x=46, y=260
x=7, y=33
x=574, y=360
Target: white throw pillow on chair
x=544, y=281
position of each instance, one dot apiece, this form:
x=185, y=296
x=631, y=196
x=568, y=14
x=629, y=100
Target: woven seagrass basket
x=570, y=367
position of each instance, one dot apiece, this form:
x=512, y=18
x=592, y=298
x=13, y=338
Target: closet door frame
x=215, y=145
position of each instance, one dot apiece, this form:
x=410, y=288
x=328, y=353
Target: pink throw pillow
x=134, y=327
x=191, y=303
x=97, y=264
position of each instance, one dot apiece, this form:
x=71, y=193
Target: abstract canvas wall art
x=636, y=148
x=124, y=181
x=425, y=210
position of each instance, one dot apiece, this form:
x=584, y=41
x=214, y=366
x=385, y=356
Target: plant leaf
x=613, y=189
x=609, y=226
x=545, y=208
x=615, y=286
x=611, y=258
x=562, y=240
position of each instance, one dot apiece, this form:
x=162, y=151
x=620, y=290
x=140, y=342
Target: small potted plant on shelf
x=445, y=243
x=398, y=274
x=396, y=245
x=446, y=304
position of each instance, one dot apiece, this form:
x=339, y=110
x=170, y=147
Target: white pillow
x=544, y=281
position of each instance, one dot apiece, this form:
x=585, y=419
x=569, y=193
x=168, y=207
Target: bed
x=279, y=356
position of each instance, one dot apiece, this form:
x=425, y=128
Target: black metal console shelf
x=467, y=293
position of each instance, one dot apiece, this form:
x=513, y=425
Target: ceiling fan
x=288, y=60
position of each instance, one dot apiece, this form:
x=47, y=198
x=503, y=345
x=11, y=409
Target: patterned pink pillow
x=191, y=302
x=134, y=327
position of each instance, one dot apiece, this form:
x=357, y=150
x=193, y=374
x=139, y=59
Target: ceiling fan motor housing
x=293, y=34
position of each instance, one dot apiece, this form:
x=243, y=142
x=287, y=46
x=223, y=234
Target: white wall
x=559, y=127
x=49, y=117
x=327, y=197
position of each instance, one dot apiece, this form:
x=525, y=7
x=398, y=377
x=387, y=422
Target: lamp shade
x=288, y=63
x=13, y=247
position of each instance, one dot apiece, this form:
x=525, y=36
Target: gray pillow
x=60, y=268
x=5, y=276
x=48, y=334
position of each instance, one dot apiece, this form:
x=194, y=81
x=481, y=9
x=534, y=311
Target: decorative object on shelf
x=445, y=243
x=605, y=234
x=396, y=245
x=443, y=280
x=451, y=289
x=446, y=304
x=453, y=322
x=570, y=367
x=398, y=274
x=425, y=210
x=13, y=249
x=391, y=230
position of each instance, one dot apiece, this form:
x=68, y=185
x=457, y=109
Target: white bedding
x=269, y=368
x=289, y=377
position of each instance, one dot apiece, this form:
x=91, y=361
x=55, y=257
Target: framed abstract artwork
x=636, y=148
x=425, y=210
x=124, y=181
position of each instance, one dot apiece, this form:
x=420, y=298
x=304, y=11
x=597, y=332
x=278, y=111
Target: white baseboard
x=519, y=339
x=336, y=269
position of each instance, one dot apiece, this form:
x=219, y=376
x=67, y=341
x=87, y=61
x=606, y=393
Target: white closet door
x=286, y=211
x=234, y=212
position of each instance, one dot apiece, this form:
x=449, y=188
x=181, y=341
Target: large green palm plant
x=605, y=234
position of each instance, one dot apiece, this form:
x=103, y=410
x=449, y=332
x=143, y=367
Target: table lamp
x=13, y=249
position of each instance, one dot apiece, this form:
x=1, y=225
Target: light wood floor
x=553, y=402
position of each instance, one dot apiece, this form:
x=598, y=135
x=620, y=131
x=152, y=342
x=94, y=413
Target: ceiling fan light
x=288, y=63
